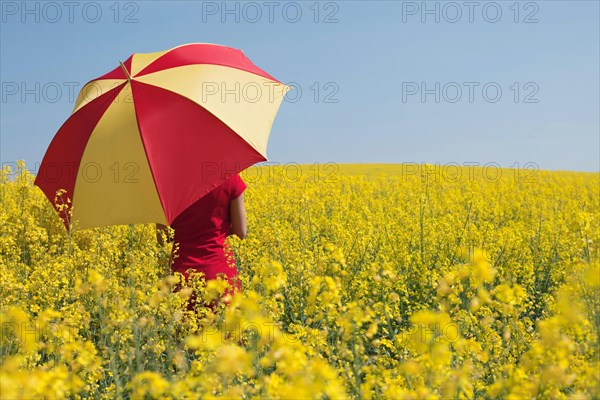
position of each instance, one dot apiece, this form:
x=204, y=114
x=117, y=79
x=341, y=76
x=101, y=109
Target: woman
x=201, y=231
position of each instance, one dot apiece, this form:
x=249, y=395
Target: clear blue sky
x=371, y=58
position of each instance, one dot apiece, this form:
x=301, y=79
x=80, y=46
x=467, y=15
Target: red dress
x=201, y=231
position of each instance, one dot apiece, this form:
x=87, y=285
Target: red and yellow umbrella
x=151, y=137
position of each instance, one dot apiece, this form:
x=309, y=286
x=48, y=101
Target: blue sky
x=515, y=83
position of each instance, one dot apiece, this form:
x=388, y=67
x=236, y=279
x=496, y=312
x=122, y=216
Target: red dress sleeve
x=238, y=186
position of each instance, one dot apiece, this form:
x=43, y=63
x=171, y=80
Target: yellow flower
x=482, y=270
x=232, y=359
x=148, y=383
x=97, y=281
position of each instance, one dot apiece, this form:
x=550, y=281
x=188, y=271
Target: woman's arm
x=161, y=228
x=237, y=216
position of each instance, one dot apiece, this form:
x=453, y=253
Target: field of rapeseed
x=359, y=282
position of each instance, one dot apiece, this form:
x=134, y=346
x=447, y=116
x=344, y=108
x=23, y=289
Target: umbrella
x=154, y=135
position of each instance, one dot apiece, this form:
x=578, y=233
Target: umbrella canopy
x=154, y=135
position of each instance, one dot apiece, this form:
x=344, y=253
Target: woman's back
x=201, y=231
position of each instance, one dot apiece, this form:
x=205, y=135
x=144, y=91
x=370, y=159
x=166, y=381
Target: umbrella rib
x=126, y=72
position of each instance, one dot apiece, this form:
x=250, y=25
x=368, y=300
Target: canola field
x=359, y=282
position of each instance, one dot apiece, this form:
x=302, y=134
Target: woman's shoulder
x=235, y=185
